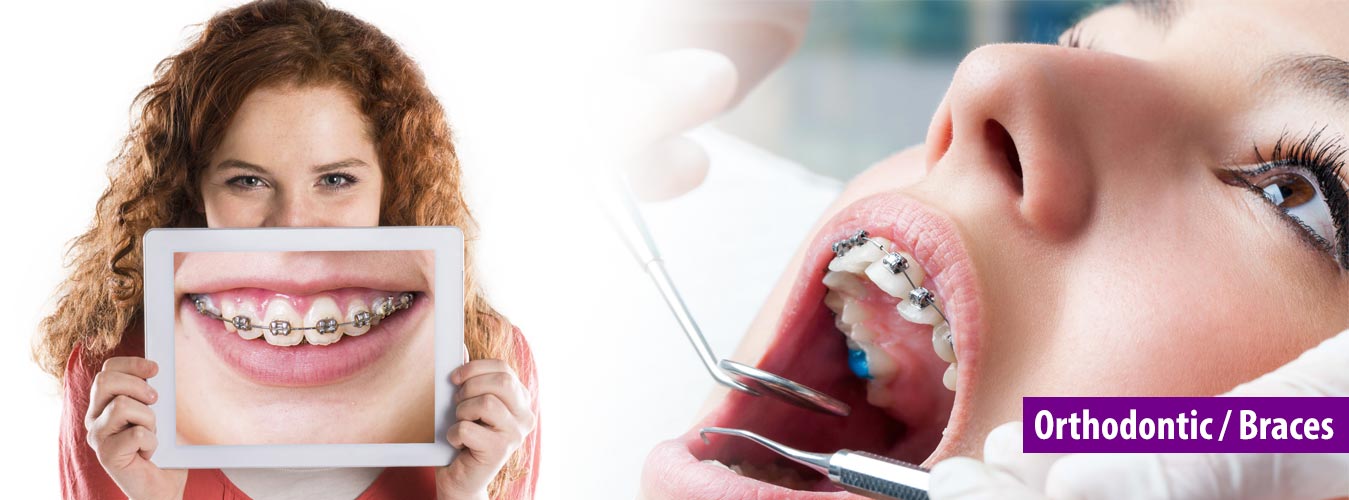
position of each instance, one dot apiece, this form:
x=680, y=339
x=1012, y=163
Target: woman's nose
x=292, y=210
x=1043, y=123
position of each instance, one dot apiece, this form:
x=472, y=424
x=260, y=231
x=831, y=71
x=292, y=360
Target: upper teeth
x=282, y=325
x=897, y=274
x=917, y=308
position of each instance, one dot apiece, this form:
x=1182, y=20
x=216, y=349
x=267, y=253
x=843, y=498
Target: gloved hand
x=643, y=111
x=1006, y=473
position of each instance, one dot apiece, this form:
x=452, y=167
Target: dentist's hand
x=493, y=417
x=643, y=111
x=1008, y=473
x=714, y=53
x=121, y=429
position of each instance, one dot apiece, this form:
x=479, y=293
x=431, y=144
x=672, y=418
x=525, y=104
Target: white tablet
x=304, y=347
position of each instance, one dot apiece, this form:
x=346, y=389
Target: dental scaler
x=859, y=472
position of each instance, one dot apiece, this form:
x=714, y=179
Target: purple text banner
x=1185, y=425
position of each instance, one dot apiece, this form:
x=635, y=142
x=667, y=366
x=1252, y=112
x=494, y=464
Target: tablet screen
x=304, y=347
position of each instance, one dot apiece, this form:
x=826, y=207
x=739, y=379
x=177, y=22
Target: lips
x=334, y=282
x=923, y=424
x=302, y=365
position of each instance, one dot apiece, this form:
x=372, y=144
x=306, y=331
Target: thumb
x=669, y=168
x=1317, y=372
x=1002, y=451
x=1213, y=476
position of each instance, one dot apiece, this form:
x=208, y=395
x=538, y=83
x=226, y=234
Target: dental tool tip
x=817, y=461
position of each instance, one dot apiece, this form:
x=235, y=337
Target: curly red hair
x=180, y=119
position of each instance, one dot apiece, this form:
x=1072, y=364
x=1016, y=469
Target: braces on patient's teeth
x=325, y=329
x=859, y=257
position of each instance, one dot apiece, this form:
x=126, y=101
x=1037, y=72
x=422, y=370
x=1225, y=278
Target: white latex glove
x=1006, y=473
x=709, y=56
x=643, y=111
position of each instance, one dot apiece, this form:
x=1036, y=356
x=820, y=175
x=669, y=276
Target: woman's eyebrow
x=240, y=164
x=339, y=165
x=1320, y=74
x=319, y=169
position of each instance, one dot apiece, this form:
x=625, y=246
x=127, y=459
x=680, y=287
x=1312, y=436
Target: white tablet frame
x=160, y=245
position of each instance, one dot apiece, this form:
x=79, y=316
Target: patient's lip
x=302, y=274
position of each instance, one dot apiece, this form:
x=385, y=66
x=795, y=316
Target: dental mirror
x=787, y=390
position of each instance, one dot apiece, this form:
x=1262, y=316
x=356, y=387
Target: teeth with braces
x=323, y=318
x=895, y=273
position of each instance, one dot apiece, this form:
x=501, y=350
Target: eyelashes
x=333, y=181
x=1321, y=158
x=337, y=181
x=246, y=182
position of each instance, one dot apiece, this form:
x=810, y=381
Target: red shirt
x=83, y=477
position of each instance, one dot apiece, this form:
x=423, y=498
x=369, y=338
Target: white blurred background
x=617, y=375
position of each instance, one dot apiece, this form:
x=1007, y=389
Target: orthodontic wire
x=201, y=309
x=861, y=237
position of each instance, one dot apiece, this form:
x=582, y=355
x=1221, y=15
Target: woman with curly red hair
x=288, y=85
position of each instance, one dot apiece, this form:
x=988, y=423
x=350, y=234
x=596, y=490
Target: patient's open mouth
x=853, y=329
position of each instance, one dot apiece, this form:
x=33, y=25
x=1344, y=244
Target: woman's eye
x=247, y=182
x=1297, y=195
x=336, y=181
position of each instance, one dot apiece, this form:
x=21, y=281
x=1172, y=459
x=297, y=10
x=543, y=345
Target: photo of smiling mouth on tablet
x=304, y=347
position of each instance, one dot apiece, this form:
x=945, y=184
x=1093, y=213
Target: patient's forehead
x=1246, y=29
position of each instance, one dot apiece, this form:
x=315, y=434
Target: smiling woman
x=283, y=113
x=1091, y=218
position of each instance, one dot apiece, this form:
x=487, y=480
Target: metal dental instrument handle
x=863, y=473
x=627, y=220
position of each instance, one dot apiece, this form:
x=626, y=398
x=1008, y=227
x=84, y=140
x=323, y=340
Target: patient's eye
x=1289, y=190
x=336, y=181
x=1295, y=193
x=1301, y=181
x=247, y=182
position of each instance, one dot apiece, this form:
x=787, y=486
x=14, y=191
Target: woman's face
x=1093, y=221
x=301, y=157
x=294, y=157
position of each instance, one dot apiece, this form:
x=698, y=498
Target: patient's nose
x=1004, y=116
x=291, y=210
x=1046, y=125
